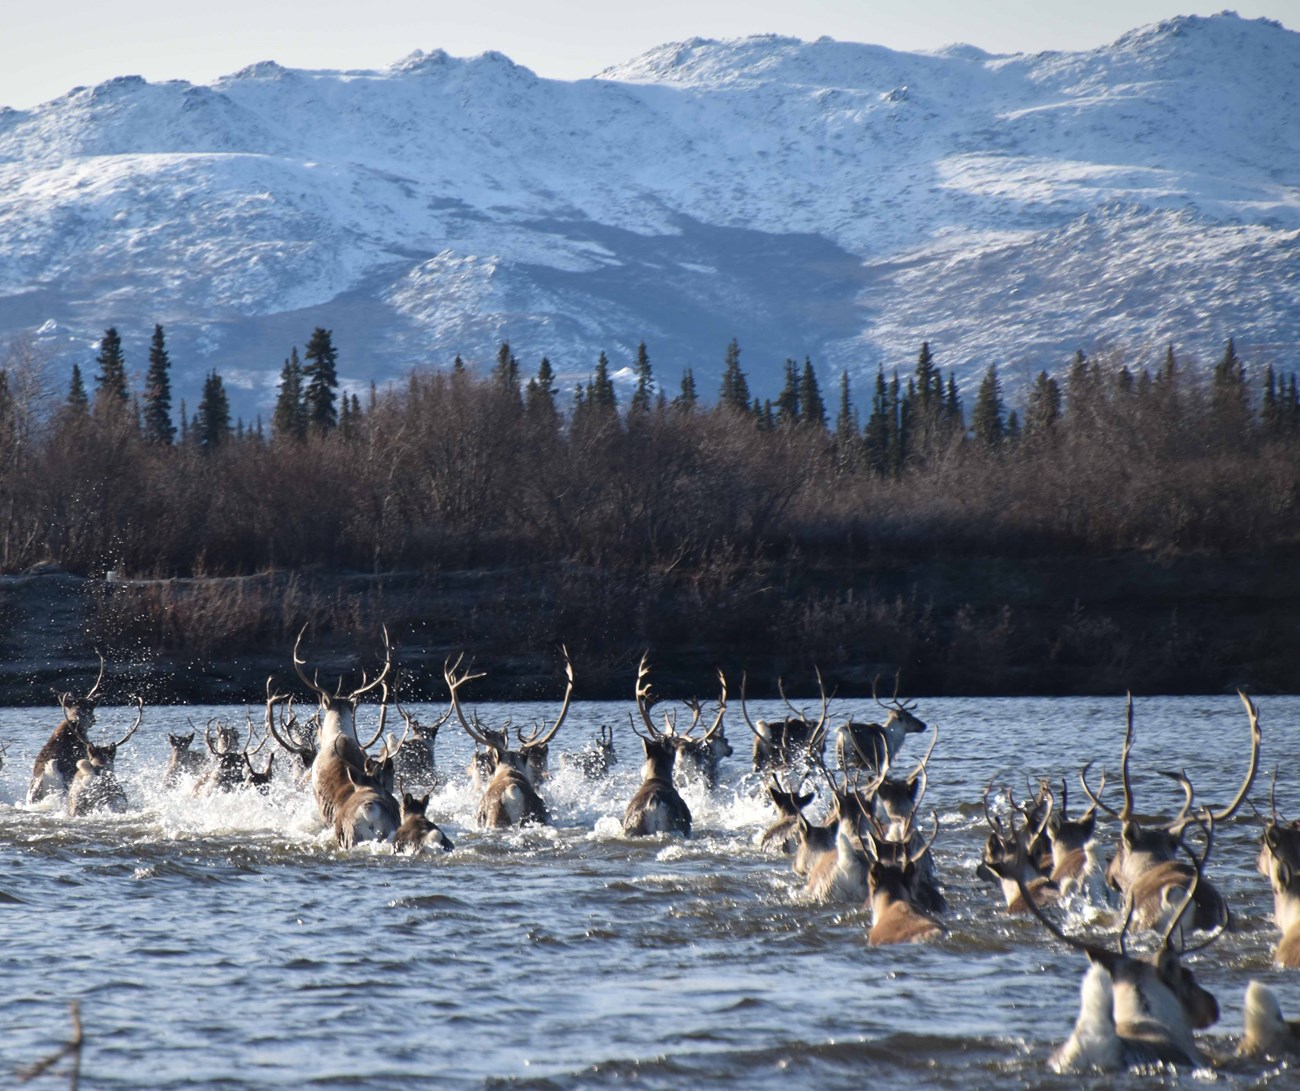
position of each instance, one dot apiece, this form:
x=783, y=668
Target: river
x=225, y=942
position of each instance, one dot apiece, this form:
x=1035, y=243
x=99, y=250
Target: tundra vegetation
x=1121, y=523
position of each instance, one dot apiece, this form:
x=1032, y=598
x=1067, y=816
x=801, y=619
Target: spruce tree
x=158, y=427
x=1044, y=406
x=505, y=374
x=540, y=400
x=645, y=384
x=846, y=420
x=686, y=399
x=1270, y=409
x=601, y=397
x=289, y=421
x=735, y=388
x=812, y=410
x=78, y=402
x=212, y=422
x=787, y=402
x=987, y=418
x=877, y=436
x=321, y=380
x=110, y=383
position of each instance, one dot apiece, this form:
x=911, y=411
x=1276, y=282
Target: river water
x=226, y=943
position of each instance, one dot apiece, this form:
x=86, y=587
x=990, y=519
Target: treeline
x=456, y=469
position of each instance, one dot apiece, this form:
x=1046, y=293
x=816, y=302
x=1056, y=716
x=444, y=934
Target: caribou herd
x=872, y=847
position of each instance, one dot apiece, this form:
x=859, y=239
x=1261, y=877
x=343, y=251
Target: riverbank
x=953, y=626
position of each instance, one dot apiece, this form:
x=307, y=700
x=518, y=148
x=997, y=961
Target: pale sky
x=47, y=48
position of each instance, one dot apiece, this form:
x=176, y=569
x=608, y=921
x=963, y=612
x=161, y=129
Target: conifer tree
x=686, y=399
x=1229, y=396
x=78, y=402
x=540, y=399
x=812, y=410
x=877, y=437
x=320, y=381
x=645, y=384
x=212, y=422
x=505, y=373
x=110, y=383
x=846, y=423
x=289, y=421
x=601, y=396
x=787, y=402
x=987, y=418
x=158, y=427
x=1043, y=409
x=1270, y=409
x=735, y=387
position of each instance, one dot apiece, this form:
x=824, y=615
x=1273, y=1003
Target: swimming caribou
x=510, y=797
x=350, y=797
x=657, y=807
x=56, y=763
x=1145, y=869
x=1145, y=1010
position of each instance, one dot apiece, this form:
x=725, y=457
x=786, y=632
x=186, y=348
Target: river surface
x=226, y=943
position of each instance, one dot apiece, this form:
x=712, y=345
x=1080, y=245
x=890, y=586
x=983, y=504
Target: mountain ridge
x=824, y=198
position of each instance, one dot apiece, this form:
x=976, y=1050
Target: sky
x=48, y=48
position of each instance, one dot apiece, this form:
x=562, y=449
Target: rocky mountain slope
x=825, y=198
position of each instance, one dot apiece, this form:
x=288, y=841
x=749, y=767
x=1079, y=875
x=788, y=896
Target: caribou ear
x=1089, y=824
x=1285, y=873
x=1130, y=834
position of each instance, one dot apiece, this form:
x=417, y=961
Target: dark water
x=225, y=943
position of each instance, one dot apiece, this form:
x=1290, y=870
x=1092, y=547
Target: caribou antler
x=454, y=682
x=536, y=738
x=139, y=717
x=644, y=700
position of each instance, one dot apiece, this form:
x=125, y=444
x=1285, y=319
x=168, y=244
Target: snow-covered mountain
x=823, y=198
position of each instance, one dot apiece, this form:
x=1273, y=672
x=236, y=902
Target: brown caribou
x=1145, y=868
x=872, y=744
x=657, y=807
x=789, y=743
x=95, y=786
x=56, y=762
x=416, y=832
x=1153, y=1005
x=892, y=878
x=1279, y=862
x=510, y=797
x=339, y=771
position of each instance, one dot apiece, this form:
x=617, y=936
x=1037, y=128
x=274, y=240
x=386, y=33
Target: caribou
x=785, y=744
x=1266, y=1032
x=657, y=807
x=595, y=760
x=182, y=761
x=56, y=762
x=892, y=879
x=510, y=797
x=783, y=834
x=95, y=786
x=416, y=832
x=1153, y=1005
x=1008, y=860
x=231, y=766
x=347, y=796
x=698, y=757
x=872, y=744
x=1145, y=869
x=1076, y=861
x=416, y=761
x=295, y=739
x=1279, y=862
